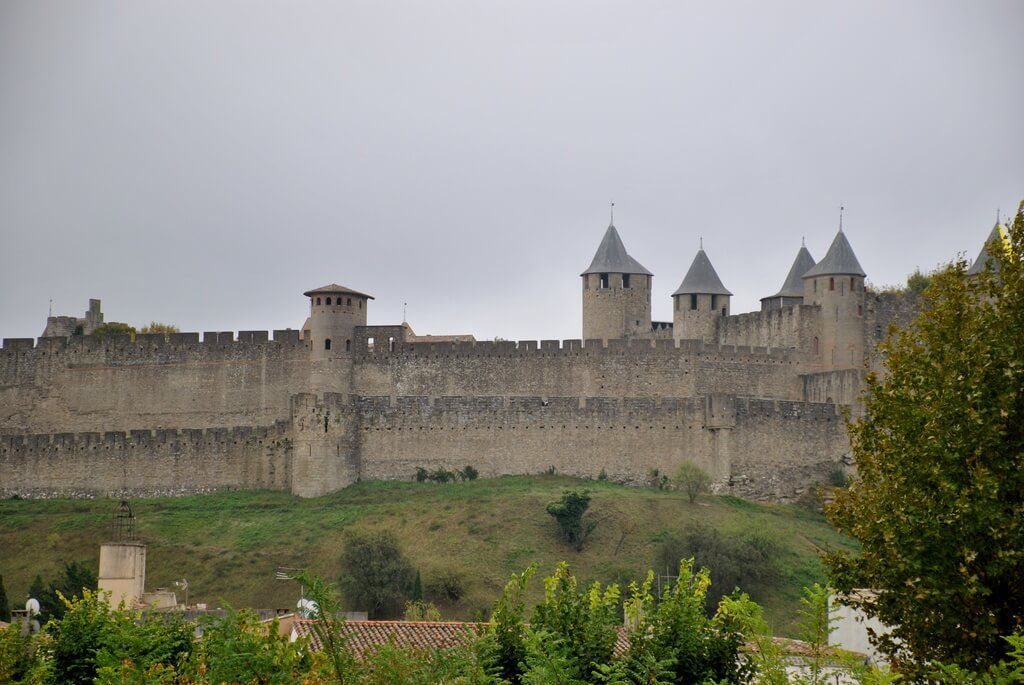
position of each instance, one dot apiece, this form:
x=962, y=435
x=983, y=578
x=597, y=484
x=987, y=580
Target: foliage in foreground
x=938, y=504
x=574, y=636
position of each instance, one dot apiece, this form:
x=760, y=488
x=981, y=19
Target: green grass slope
x=227, y=545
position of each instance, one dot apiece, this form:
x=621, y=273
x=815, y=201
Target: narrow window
x=853, y=284
x=815, y=285
x=360, y=304
x=604, y=281
x=723, y=311
x=327, y=343
x=831, y=283
x=369, y=343
x=693, y=300
x=391, y=344
x=815, y=346
x=348, y=301
x=625, y=280
x=348, y=345
x=714, y=303
x=318, y=301
x=860, y=310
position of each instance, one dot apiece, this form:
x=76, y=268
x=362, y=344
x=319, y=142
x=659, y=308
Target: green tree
x=506, y=635
x=73, y=578
x=938, y=502
x=157, y=327
x=114, y=329
x=569, y=511
x=417, y=588
x=5, y=607
x=327, y=623
x=375, y=575
x=692, y=480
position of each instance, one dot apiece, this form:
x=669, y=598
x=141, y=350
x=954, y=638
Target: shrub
x=157, y=327
x=469, y=473
x=375, y=575
x=418, y=610
x=569, y=511
x=421, y=474
x=114, y=329
x=447, y=585
x=442, y=475
x=692, y=480
x=745, y=562
x=837, y=478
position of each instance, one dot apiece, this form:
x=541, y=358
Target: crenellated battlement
x=142, y=439
x=152, y=341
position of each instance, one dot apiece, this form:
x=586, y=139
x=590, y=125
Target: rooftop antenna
x=611, y=213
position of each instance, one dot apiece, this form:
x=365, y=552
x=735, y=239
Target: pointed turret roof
x=793, y=286
x=611, y=257
x=839, y=260
x=998, y=233
x=701, y=279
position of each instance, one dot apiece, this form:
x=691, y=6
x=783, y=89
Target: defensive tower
x=616, y=293
x=334, y=312
x=836, y=284
x=700, y=302
x=792, y=291
x=998, y=232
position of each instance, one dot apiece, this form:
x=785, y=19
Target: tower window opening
x=815, y=285
x=853, y=284
x=327, y=343
x=348, y=345
x=625, y=280
x=831, y=283
x=723, y=311
x=348, y=301
x=714, y=302
x=391, y=344
x=603, y=281
x=318, y=300
x=860, y=310
x=360, y=304
x=815, y=346
x=328, y=302
x=369, y=343
x=693, y=300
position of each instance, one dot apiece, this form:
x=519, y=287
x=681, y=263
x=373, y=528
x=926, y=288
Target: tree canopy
x=938, y=502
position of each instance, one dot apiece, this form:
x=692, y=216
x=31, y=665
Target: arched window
x=348, y=301
x=318, y=300
x=815, y=346
x=328, y=303
x=391, y=344
x=348, y=345
x=327, y=343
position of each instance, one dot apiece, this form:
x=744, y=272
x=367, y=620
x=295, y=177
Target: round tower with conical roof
x=616, y=293
x=836, y=285
x=700, y=302
x=792, y=291
x=334, y=312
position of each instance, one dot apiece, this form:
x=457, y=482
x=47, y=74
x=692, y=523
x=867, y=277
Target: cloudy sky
x=204, y=163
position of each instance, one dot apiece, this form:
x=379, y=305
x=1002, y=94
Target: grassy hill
x=227, y=545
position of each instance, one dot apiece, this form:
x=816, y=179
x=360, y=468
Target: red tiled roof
x=365, y=636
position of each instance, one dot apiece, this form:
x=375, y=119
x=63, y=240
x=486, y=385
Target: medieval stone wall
x=92, y=384
x=145, y=463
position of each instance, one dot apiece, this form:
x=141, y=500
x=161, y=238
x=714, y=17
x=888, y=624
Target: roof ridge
x=701, y=278
x=612, y=257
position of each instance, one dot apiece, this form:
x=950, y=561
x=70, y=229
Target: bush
x=421, y=474
x=569, y=511
x=469, y=473
x=837, y=478
x=114, y=329
x=375, y=575
x=447, y=585
x=745, y=562
x=692, y=480
x=157, y=327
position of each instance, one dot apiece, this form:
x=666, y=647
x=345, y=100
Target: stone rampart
x=620, y=368
x=145, y=463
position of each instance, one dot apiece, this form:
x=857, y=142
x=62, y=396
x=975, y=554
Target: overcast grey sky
x=204, y=163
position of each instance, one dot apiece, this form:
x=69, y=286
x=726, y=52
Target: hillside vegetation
x=228, y=545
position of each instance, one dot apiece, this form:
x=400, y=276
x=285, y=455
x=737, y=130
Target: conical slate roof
x=794, y=285
x=701, y=279
x=611, y=257
x=998, y=233
x=839, y=260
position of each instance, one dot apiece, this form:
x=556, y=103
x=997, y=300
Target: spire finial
x=997, y=219
x=700, y=240
x=841, y=208
x=51, y=299
x=803, y=241
x=611, y=212
x=404, y=305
